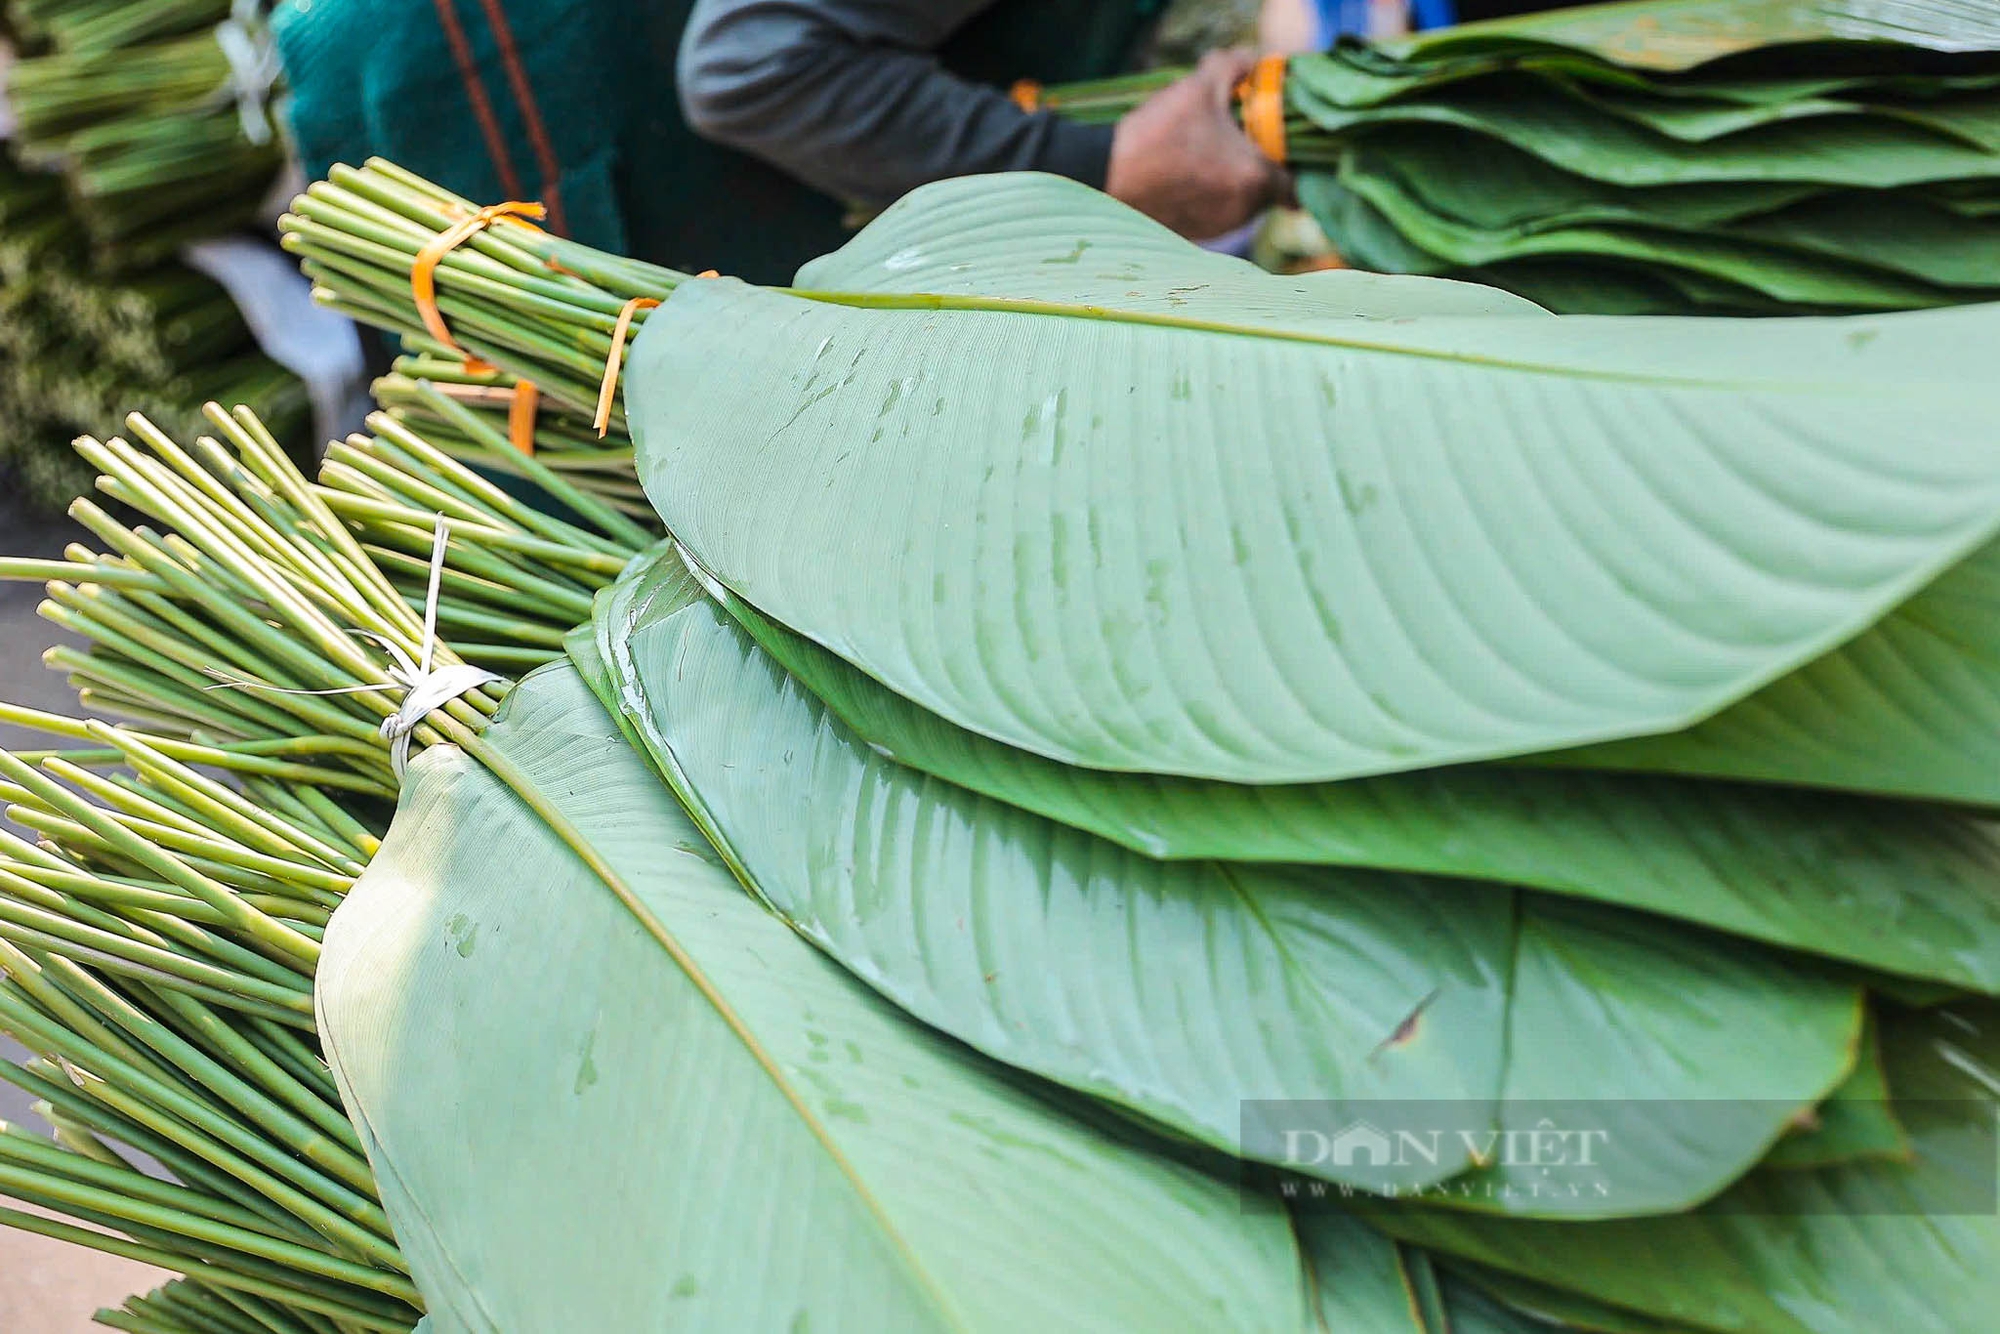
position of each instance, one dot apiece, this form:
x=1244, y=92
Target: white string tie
x=424, y=686
x=254, y=67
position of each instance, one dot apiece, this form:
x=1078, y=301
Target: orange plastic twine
x=1263, y=98
x=522, y=405
x=423, y=273
x=1320, y=263
x=1027, y=95
x=609, y=389
x=525, y=399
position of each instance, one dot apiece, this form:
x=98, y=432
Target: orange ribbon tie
x=423, y=272
x=609, y=389
x=423, y=291
x=1027, y=95
x=1263, y=98
x=522, y=405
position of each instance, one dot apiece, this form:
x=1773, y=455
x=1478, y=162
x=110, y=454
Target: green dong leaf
x=1082, y=488
x=1365, y=994
x=588, y=1113
x=1850, y=1249
x=1807, y=871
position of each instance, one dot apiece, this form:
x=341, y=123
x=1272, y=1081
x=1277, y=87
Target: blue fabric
x=1427, y=14
x=1349, y=18
x=1339, y=18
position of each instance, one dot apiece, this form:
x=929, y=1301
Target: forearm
x=845, y=95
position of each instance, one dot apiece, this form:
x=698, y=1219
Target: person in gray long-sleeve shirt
x=848, y=96
x=737, y=134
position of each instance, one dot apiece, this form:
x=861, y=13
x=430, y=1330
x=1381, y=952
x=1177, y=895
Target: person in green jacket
x=739, y=135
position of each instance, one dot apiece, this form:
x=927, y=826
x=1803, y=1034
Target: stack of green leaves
x=1661, y=156
x=137, y=969
x=1172, y=706
x=153, y=113
x=79, y=349
x=159, y=938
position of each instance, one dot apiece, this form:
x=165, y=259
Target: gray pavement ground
x=46, y=1287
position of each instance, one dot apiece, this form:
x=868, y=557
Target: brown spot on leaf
x=1406, y=1032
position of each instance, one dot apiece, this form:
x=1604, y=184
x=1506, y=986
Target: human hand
x=1181, y=158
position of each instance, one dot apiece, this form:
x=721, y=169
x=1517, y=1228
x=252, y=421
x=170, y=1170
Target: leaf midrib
x=523, y=786
x=1846, y=386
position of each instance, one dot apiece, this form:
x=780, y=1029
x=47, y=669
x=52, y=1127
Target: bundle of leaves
x=79, y=349
x=154, y=112
x=1660, y=156
x=159, y=938
x=1189, y=718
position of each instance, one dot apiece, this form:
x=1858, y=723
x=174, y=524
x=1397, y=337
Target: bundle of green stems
x=89, y=25
x=79, y=348
x=534, y=304
x=186, y=840
x=565, y=441
x=135, y=105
